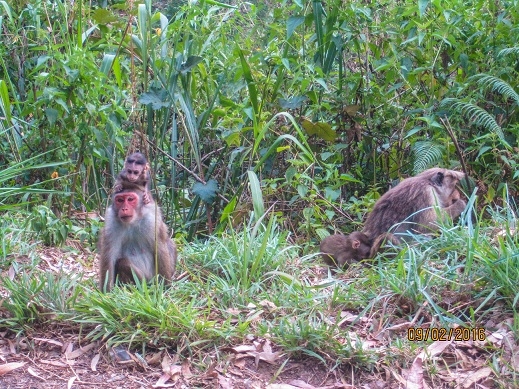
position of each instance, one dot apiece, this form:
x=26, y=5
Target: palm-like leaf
x=426, y=154
x=476, y=114
x=509, y=50
x=497, y=85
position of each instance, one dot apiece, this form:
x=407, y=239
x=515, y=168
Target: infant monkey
x=135, y=176
x=339, y=250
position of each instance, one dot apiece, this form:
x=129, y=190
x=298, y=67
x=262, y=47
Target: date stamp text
x=417, y=334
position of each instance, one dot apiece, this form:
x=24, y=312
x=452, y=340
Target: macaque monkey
x=414, y=205
x=134, y=240
x=339, y=250
x=135, y=176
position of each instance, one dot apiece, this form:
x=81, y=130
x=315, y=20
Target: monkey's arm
x=167, y=255
x=456, y=208
x=106, y=267
x=381, y=240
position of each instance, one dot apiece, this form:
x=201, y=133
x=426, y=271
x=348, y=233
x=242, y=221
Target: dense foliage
x=326, y=102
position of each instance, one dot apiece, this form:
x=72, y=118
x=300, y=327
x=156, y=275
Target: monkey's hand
x=146, y=198
x=118, y=188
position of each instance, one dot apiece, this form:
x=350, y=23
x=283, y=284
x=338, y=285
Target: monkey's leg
x=125, y=271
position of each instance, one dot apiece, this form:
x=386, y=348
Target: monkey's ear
x=355, y=244
x=437, y=179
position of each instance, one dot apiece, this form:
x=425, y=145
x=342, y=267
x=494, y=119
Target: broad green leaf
x=292, y=103
x=190, y=63
x=4, y=100
x=422, y=6
x=332, y=194
x=464, y=61
x=321, y=130
x=207, y=192
x=251, y=84
x=104, y=16
x=157, y=98
x=52, y=115
x=257, y=196
x=107, y=62
x=292, y=23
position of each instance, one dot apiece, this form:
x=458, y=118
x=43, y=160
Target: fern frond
x=510, y=50
x=497, y=85
x=426, y=154
x=476, y=114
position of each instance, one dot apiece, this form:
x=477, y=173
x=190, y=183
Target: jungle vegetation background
x=292, y=115
x=325, y=102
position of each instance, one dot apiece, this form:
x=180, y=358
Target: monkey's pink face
x=126, y=205
x=133, y=174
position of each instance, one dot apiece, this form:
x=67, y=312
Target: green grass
x=252, y=283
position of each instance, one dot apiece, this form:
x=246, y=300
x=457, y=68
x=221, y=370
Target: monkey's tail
x=380, y=241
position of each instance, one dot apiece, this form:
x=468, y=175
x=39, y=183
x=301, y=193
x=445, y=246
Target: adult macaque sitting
x=134, y=241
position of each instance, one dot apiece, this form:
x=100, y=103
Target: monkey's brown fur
x=413, y=205
x=134, y=240
x=135, y=175
x=339, y=250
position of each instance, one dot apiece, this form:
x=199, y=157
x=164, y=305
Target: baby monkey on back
x=135, y=176
x=414, y=205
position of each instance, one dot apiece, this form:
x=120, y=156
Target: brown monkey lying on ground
x=134, y=240
x=135, y=176
x=413, y=205
x=339, y=250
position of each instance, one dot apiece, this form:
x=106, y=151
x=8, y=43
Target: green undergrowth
x=254, y=282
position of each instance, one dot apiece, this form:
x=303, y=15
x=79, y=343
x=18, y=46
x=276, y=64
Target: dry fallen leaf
x=11, y=273
x=34, y=374
x=55, y=363
x=242, y=348
x=161, y=383
x=79, y=352
x=12, y=346
x=301, y=384
x=477, y=376
x=4, y=369
x=270, y=358
x=154, y=359
x=71, y=382
x=415, y=374
x=186, y=369
x=170, y=368
x=94, y=362
x=268, y=304
x=225, y=383
x=51, y=341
